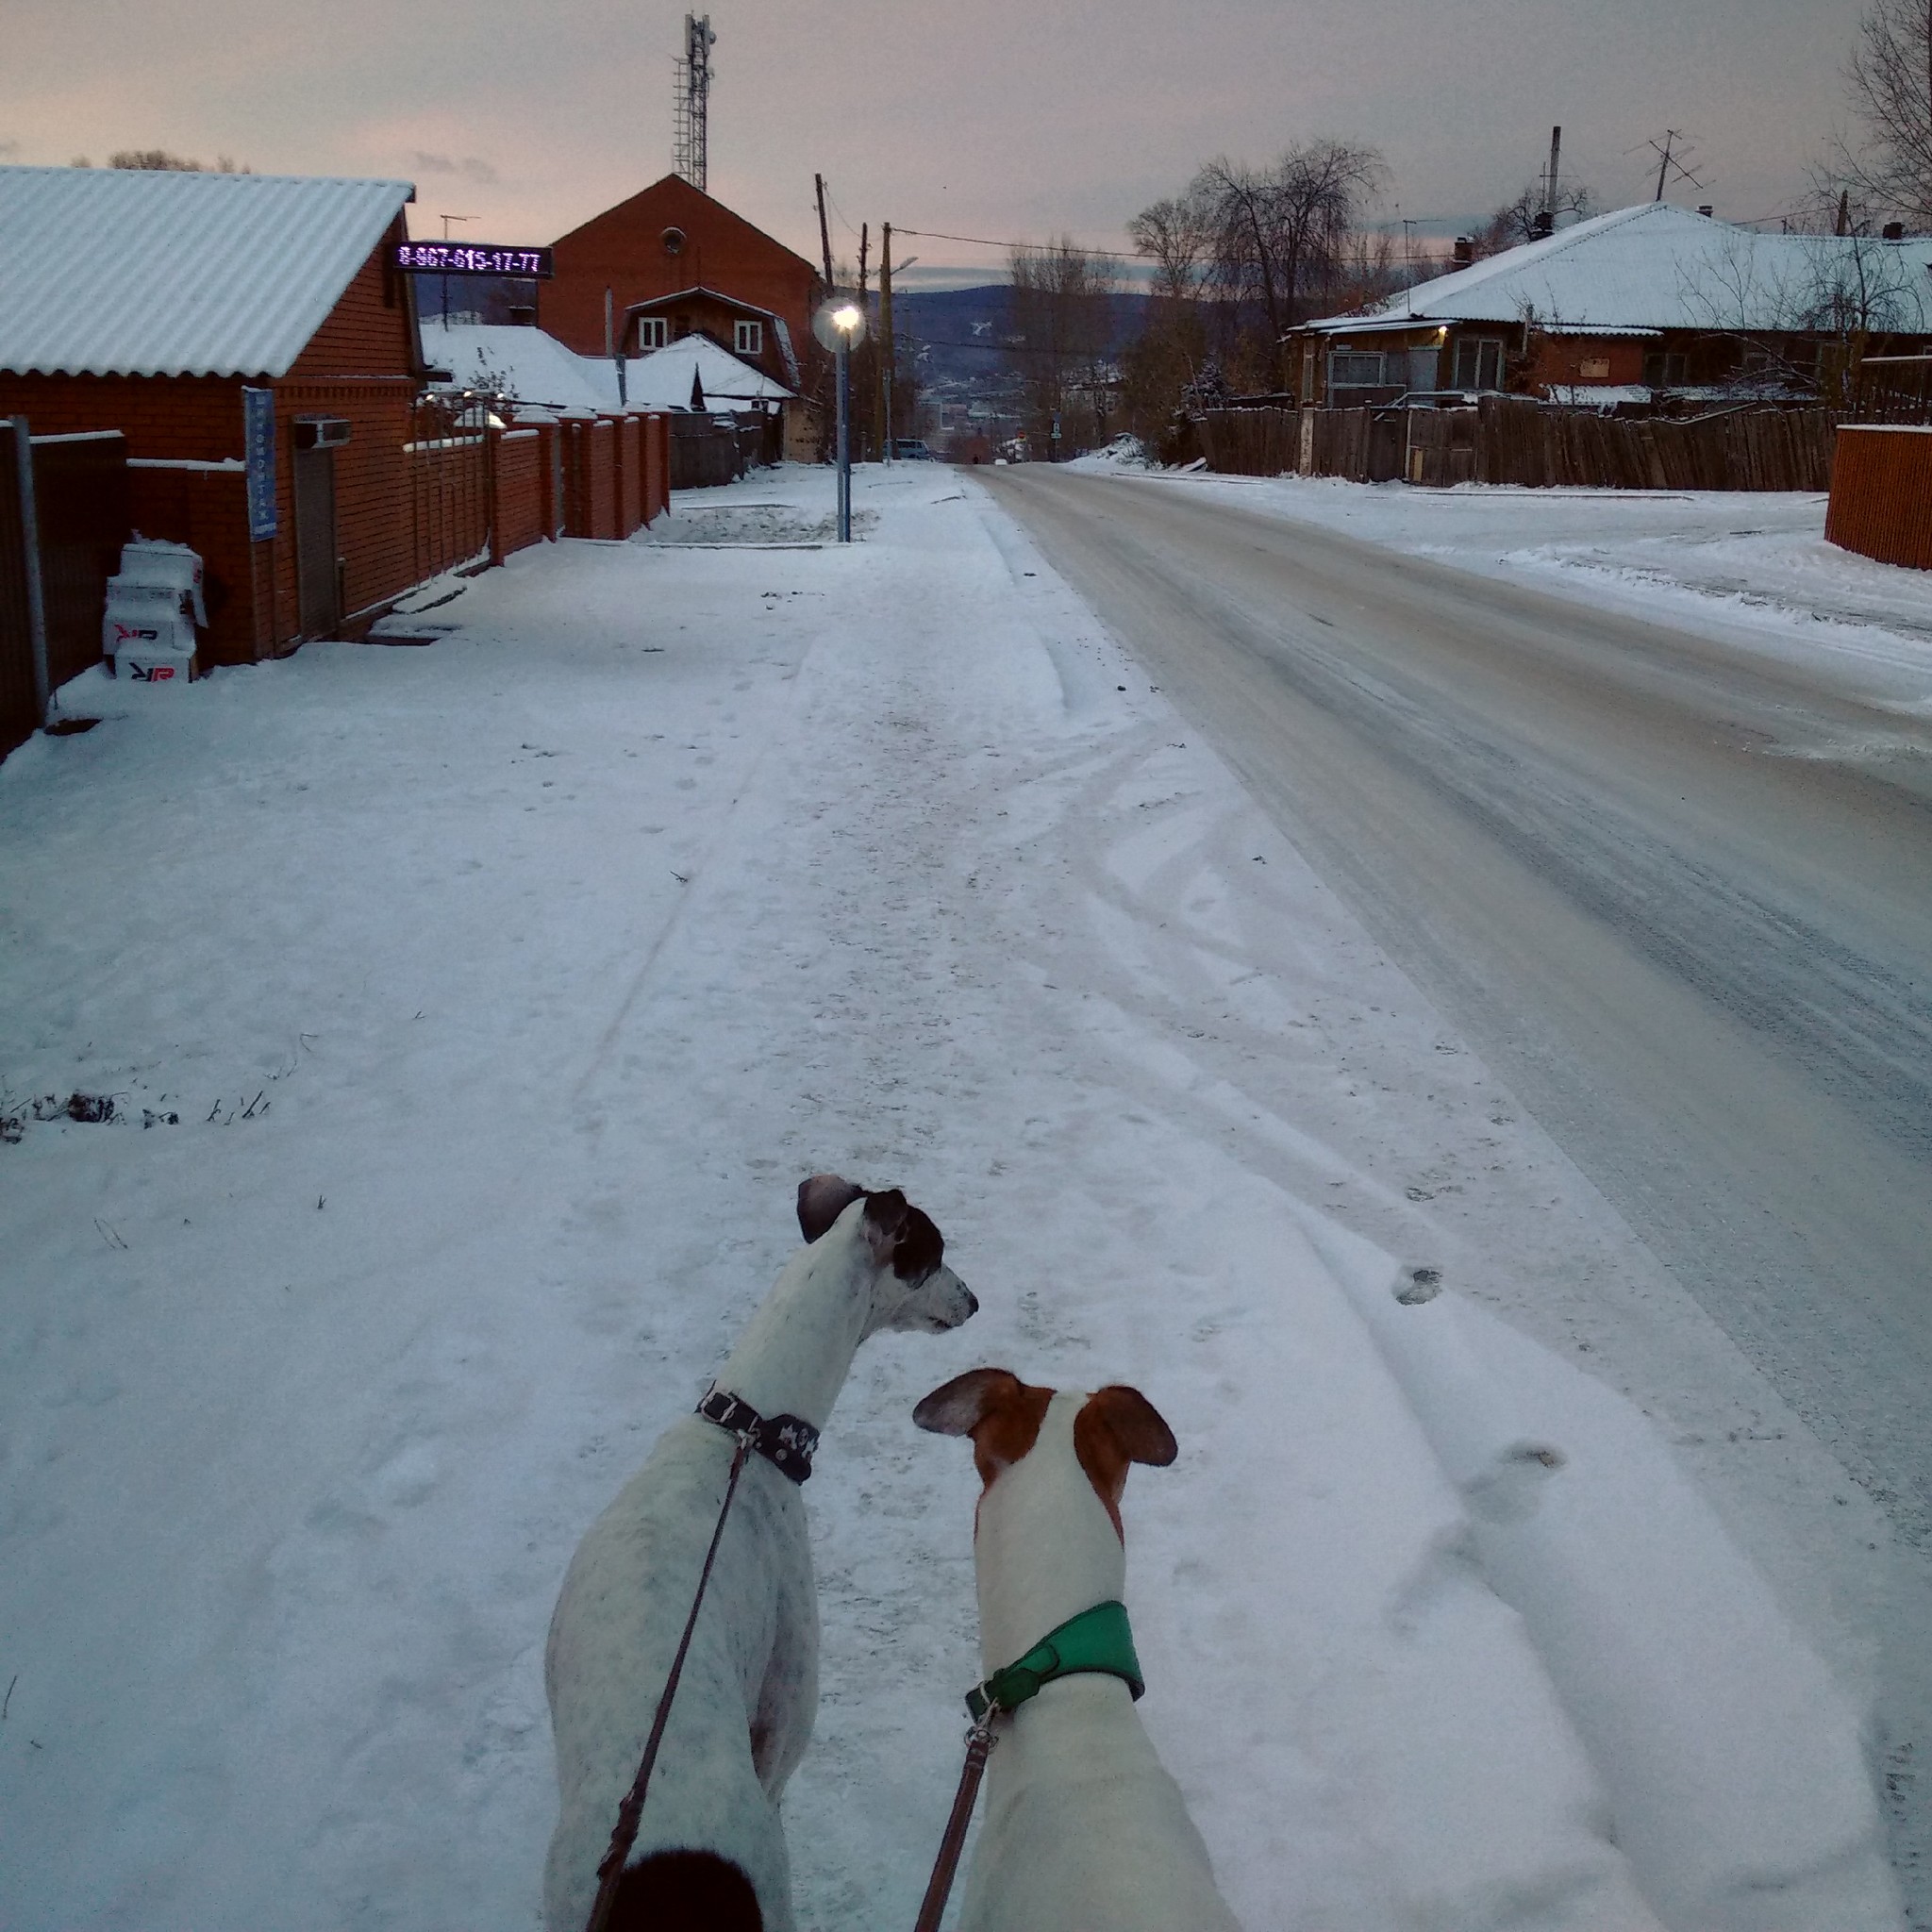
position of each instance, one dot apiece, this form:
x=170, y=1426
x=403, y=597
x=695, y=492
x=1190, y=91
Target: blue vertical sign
x=258, y=434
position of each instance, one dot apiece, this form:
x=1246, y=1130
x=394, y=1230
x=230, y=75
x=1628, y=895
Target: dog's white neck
x=797, y=1350
x=1045, y=1548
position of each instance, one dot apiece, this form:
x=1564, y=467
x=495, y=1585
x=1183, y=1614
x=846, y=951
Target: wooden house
x=1648, y=301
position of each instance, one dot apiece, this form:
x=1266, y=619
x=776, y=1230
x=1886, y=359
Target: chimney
x=1546, y=224
x=1707, y=211
x=1464, y=252
x=1893, y=231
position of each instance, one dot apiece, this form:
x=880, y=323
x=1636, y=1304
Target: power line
x=1035, y=248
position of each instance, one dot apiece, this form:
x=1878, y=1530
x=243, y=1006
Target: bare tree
x=157, y=160
x=1175, y=235
x=1890, y=76
x=1279, y=232
x=1793, y=314
x=1520, y=221
x=1062, y=327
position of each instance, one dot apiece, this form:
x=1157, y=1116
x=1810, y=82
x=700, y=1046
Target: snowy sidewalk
x=504, y=989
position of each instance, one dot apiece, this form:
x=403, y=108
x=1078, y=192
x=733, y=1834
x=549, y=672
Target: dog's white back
x=744, y=1711
x=1083, y=1830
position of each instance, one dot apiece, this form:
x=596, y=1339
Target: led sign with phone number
x=472, y=258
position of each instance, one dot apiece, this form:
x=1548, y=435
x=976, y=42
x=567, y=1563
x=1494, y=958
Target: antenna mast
x=694, y=97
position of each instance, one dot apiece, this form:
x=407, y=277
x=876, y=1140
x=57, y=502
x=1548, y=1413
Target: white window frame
x=748, y=338
x=653, y=332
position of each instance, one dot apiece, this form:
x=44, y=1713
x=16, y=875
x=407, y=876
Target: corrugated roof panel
x=118, y=271
x=1656, y=266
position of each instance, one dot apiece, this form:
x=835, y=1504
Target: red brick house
x=184, y=310
x=676, y=263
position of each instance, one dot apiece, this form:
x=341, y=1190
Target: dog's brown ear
x=1133, y=1423
x=822, y=1200
x=959, y=1406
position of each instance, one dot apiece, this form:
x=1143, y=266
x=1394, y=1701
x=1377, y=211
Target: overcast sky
x=996, y=118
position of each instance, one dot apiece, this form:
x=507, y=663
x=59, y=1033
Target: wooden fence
x=1517, y=440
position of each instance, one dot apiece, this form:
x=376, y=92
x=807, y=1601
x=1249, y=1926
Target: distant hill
x=964, y=330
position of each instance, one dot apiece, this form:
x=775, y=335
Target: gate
x=80, y=503
x=449, y=475
x=64, y=519
x=22, y=698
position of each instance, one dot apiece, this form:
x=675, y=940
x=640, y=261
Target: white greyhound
x=1083, y=1830
x=710, y=1849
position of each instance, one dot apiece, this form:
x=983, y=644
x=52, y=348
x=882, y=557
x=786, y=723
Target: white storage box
x=146, y=635
x=154, y=560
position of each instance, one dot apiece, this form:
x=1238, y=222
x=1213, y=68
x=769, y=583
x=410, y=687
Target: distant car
x=909, y=449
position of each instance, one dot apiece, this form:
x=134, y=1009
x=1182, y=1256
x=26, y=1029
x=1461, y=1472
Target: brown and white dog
x=709, y=1854
x=1084, y=1831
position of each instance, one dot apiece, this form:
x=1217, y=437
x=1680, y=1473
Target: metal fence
x=449, y=483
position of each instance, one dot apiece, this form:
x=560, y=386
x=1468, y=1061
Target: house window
x=1356, y=369
x=652, y=332
x=1478, y=362
x=1663, y=368
x=748, y=338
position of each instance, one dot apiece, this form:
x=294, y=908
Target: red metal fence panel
x=1881, y=493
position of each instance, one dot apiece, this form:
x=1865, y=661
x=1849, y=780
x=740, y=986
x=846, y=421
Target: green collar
x=1097, y=1639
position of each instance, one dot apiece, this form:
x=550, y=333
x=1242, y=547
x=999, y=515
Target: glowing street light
x=840, y=325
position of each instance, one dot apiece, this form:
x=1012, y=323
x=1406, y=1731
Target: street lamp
x=840, y=325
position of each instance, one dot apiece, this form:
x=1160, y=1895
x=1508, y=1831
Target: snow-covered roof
x=519, y=361
x=532, y=367
x=663, y=379
x=1659, y=267
x=122, y=272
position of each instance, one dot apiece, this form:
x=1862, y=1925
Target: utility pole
x=883, y=356
x=825, y=233
x=1550, y=187
x=864, y=306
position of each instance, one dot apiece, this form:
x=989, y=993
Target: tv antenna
x=1667, y=160
x=694, y=97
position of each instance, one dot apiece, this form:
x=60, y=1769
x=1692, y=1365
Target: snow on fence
x=1533, y=445
x=1881, y=493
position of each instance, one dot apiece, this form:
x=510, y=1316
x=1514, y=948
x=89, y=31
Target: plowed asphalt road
x=1679, y=895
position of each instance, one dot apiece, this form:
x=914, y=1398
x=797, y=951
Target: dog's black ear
x=1134, y=1422
x=959, y=1406
x=822, y=1200
x=903, y=1235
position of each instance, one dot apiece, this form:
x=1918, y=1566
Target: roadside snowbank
x=1751, y=568
x=505, y=987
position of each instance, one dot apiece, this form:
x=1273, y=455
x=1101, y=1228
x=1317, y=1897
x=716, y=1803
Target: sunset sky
x=1001, y=118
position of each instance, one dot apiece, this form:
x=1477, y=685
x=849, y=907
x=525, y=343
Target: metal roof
x=1657, y=267
x=119, y=271
x=534, y=367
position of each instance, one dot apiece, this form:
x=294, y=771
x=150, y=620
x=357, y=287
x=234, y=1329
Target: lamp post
x=839, y=325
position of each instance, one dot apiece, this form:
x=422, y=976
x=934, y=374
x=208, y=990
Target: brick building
x=180, y=309
x=675, y=263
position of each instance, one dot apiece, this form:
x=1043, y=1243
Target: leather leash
x=1098, y=1641
x=979, y=1744
x=787, y=1444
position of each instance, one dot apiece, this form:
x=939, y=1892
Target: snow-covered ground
x=490, y=998
x=1753, y=568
